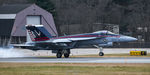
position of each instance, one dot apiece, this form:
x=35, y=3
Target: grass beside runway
x=73, y=69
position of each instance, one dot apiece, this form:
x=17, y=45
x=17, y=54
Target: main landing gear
x=61, y=52
x=101, y=50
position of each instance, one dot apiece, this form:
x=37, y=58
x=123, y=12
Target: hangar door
x=33, y=20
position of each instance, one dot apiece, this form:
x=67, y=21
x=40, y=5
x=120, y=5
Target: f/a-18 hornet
x=41, y=39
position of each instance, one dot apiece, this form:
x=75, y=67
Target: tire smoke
x=10, y=52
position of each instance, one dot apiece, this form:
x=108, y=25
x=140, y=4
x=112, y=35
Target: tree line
x=129, y=14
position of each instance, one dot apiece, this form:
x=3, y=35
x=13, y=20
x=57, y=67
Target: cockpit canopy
x=104, y=32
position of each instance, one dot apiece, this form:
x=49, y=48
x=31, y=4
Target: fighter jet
x=41, y=39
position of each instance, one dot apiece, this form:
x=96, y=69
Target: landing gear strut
x=101, y=52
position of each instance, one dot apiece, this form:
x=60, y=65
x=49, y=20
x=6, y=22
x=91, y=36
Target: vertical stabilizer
x=37, y=33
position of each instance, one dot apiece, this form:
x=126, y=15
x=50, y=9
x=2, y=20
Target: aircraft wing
x=82, y=39
x=61, y=40
x=21, y=45
x=66, y=40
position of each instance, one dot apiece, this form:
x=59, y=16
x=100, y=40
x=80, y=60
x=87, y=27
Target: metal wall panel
x=7, y=16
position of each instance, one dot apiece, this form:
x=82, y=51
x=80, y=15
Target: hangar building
x=14, y=17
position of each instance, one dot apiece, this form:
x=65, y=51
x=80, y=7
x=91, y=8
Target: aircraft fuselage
x=76, y=41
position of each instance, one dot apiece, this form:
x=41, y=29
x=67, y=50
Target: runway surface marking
x=77, y=60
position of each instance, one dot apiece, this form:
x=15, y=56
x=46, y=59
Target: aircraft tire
x=101, y=54
x=66, y=55
x=59, y=55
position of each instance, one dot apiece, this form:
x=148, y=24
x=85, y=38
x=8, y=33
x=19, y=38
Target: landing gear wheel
x=59, y=54
x=66, y=55
x=101, y=54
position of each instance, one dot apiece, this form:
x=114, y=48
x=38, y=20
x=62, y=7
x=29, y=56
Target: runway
x=77, y=60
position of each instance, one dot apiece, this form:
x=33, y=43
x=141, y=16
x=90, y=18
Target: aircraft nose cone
x=134, y=39
x=127, y=38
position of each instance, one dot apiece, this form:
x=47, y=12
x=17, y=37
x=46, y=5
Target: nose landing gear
x=101, y=54
x=101, y=50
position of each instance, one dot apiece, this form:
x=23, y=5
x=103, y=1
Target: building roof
x=46, y=19
x=16, y=26
x=12, y=8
